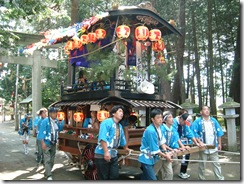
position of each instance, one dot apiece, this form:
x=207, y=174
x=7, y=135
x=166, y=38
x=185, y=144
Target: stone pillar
x=36, y=83
x=230, y=116
x=189, y=107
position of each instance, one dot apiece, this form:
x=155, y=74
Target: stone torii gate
x=37, y=61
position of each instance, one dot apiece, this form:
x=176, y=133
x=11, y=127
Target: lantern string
x=100, y=49
x=96, y=49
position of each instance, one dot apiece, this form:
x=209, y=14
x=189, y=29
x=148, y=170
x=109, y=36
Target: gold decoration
x=147, y=5
x=172, y=22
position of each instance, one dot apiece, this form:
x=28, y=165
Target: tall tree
x=210, y=59
x=197, y=67
x=219, y=51
x=74, y=19
x=235, y=80
x=179, y=86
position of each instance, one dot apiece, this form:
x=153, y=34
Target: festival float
x=135, y=35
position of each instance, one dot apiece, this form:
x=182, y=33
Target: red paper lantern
x=1, y=64
x=60, y=116
x=155, y=35
x=92, y=37
x=100, y=33
x=123, y=31
x=102, y=115
x=78, y=117
x=158, y=46
x=69, y=45
x=77, y=43
x=84, y=39
x=141, y=33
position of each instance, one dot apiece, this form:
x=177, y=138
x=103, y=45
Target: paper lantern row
x=92, y=37
x=79, y=116
x=142, y=33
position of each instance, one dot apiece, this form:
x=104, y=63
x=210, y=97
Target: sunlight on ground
x=12, y=174
x=36, y=175
x=56, y=166
x=72, y=169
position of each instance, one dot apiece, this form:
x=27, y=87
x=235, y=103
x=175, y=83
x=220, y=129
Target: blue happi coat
x=172, y=141
x=107, y=133
x=150, y=146
x=44, y=130
x=186, y=132
x=36, y=121
x=24, y=120
x=199, y=132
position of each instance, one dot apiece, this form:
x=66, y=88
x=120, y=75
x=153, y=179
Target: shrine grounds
x=15, y=165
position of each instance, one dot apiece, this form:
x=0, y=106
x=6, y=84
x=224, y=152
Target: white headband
x=165, y=117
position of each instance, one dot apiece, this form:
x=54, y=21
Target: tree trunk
x=211, y=62
x=188, y=72
x=74, y=19
x=179, y=87
x=220, y=55
x=235, y=81
x=199, y=88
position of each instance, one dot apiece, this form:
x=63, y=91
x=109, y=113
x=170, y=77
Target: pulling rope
x=134, y=154
x=207, y=161
x=233, y=153
x=124, y=157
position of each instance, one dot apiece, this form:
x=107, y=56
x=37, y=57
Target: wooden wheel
x=89, y=163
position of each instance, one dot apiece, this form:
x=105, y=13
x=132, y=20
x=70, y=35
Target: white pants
x=25, y=136
x=216, y=165
x=164, y=169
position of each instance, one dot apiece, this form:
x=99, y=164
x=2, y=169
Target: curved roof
x=131, y=15
x=138, y=14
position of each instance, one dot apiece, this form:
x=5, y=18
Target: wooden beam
x=193, y=150
x=179, y=153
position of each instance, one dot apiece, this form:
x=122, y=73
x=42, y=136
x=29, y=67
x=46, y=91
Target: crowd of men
x=46, y=128
x=160, y=139
x=164, y=135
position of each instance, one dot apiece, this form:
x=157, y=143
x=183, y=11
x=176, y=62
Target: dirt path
x=15, y=165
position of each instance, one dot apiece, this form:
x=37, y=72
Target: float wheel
x=89, y=163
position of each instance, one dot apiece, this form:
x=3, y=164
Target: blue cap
x=52, y=109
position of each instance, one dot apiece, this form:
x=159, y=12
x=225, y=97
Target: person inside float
x=81, y=83
x=132, y=121
x=100, y=83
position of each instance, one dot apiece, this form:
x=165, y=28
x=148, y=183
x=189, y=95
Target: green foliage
x=52, y=82
x=8, y=81
x=106, y=64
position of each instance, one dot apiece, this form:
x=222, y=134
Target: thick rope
x=207, y=161
x=124, y=157
x=233, y=153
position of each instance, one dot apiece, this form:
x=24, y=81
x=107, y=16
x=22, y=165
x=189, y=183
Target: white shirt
x=54, y=127
x=209, y=135
x=162, y=139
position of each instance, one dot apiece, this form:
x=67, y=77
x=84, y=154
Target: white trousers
x=164, y=169
x=216, y=165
